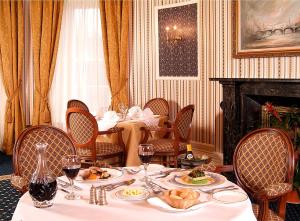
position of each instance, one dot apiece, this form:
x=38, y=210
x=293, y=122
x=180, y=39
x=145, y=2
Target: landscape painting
x=264, y=28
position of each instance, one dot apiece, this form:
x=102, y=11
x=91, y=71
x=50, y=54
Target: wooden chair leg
x=282, y=206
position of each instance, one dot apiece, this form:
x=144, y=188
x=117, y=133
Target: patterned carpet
x=9, y=198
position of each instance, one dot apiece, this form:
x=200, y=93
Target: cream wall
x=215, y=61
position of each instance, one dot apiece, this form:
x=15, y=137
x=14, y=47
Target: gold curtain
x=115, y=31
x=45, y=28
x=11, y=64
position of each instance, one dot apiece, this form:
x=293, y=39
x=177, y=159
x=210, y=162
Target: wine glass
x=123, y=110
x=146, y=152
x=71, y=167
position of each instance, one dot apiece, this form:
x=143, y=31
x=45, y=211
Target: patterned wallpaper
x=177, y=34
x=215, y=60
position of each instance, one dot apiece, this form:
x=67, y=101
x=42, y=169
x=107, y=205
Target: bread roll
x=181, y=198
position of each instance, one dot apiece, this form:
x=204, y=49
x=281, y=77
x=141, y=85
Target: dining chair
x=82, y=127
x=158, y=106
x=77, y=103
x=25, y=155
x=168, y=149
x=263, y=163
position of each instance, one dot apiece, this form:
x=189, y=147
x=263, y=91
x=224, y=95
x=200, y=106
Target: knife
x=67, y=184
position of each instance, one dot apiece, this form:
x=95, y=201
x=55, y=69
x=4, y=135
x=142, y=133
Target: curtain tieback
x=9, y=104
x=44, y=110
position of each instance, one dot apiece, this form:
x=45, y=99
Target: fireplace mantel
x=242, y=101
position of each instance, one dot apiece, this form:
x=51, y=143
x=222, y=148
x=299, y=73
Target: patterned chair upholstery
x=83, y=129
x=158, y=106
x=77, y=103
x=168, y=149
x=25, y=156
x=263, y=165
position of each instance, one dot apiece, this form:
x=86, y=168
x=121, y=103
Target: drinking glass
x=123, y=110
x=71, y=167
x=146, y=152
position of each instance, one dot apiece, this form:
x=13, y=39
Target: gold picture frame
x=265, y=28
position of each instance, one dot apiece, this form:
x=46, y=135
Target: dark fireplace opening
x=242, y=104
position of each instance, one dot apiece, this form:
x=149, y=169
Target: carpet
x=9, y=198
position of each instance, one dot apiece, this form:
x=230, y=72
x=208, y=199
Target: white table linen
x=118, y=210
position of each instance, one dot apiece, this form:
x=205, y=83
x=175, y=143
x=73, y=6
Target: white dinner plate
x=162, y=205
x=114, y=174
x=229, y=196
x=177, y=180
x=142, y=193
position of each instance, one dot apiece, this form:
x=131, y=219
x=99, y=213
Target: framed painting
x=265, y=28
x=177, y=41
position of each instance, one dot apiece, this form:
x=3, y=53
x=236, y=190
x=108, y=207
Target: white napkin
x=109, y=120
x=134, y=112
x=148, y=118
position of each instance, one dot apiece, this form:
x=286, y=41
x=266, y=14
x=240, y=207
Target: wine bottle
x=189, y=153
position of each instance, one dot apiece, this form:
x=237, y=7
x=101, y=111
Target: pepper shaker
x=102, y=197
x=93, y=195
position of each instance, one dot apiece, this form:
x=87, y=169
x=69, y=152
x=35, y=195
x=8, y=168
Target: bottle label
x=189, y=156
x=189, y=147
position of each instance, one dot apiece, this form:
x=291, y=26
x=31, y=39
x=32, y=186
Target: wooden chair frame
x=84, y=106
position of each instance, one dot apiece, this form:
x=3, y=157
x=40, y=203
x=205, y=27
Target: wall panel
x=215, y=60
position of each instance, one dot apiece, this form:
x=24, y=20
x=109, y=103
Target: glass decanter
x=42, y=186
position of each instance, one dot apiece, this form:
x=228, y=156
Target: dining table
x=118, y=208
x=132, y=137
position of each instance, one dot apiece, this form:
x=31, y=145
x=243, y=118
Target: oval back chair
x=158, y=106
x=77, y=103
x=25, y=156
x=263, y=163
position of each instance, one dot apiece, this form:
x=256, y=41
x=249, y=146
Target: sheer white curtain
x=80, y=68
x=2, y=110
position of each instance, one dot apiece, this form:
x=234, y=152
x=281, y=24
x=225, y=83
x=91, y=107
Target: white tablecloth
x=118, y=210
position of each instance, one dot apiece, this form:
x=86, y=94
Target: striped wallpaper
x=214, y=42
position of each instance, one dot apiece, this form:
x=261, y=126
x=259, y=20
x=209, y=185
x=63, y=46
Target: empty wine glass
x=71, y=167
x=123, y=110
x=146, y=152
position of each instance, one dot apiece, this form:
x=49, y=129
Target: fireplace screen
x=286, y=118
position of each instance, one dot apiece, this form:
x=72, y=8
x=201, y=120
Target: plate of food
x=132, y=193
x=180, y=200
x=97, y=174
x=198, y=178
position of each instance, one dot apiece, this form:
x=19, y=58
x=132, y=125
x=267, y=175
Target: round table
x=116, y=210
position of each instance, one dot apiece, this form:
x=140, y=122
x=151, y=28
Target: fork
x=132, y=171
x=211, y=191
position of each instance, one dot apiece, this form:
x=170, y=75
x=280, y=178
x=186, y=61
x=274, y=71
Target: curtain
x=80, y=69
x=115, y=30
x=11, y=65
x=45, y=29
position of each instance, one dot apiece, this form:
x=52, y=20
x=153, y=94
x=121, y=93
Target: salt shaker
x=102, y=197
x=93, y=195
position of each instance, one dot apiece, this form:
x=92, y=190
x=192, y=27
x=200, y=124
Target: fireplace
x=243, y=101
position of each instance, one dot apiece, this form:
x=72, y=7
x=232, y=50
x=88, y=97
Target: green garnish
x=204, y=181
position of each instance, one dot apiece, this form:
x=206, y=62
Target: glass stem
x=146, y=173
x=72, y=186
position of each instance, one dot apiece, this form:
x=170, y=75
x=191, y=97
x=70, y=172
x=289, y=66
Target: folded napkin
x=148, y=118
x=109, y=120
x=134, y=112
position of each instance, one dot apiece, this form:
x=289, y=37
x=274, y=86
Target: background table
x=116, y=210
x=131, y=137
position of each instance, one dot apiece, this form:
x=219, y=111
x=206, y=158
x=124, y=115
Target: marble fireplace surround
x=242, y=105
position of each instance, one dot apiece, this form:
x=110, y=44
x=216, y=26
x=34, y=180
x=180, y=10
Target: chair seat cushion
x=102, y=149
x=165, y=145
x=278, y=189
x=272, y=215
